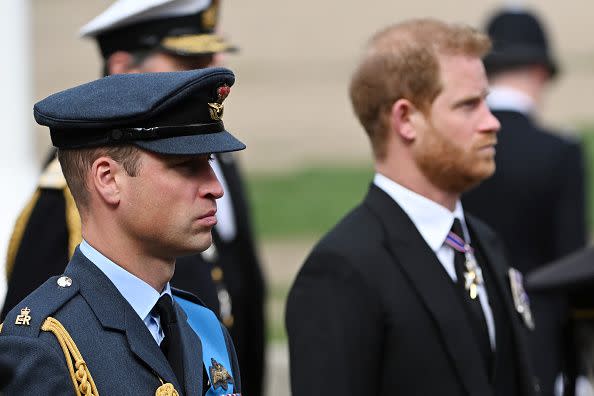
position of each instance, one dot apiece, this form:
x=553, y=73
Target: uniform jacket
x=373, y=312
x=121, y=355
x=47, y=240
x=535, y=202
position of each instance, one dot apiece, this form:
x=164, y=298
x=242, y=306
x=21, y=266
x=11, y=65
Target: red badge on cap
x=216, y=109
x=223, y=92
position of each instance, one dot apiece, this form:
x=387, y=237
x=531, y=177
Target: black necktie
x=473, y=306
x=171, y=344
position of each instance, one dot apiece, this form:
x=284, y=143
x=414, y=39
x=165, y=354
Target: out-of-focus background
x=307, y=161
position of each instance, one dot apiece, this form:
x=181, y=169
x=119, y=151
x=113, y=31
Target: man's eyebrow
x=471, y=98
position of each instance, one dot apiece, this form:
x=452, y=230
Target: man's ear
x=104, y=179
x=121, y=62
x=402, y=117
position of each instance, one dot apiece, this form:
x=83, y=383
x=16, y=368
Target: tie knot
x=164, y=308
x=457, y=228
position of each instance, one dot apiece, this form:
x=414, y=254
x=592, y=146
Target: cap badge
x=219, y=375
x=209, y=16
x=23, y=319
x=216, y=108
x=521, y=300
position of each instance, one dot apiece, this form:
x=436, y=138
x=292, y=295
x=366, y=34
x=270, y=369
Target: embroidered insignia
x=23, y=319
x=219, y=375
x=216, y=108
x=521, y=300
x=166, y=389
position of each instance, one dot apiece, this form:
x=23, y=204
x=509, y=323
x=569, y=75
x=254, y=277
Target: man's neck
x=413, y=179
x=154, y=270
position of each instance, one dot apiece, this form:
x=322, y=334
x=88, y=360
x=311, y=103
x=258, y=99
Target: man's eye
x=471, y=104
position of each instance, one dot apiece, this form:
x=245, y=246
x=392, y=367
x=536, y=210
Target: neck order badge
x=473, y=276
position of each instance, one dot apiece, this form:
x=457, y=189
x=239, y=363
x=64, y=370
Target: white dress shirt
x=434, y=222
x=139, y=294
x=225, y=215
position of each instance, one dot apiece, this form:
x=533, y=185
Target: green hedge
x=305, y=202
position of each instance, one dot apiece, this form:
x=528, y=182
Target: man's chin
x=193, y=249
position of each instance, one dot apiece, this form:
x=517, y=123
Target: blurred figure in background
x=535, y=200
x=573, y=277
x=142, y=36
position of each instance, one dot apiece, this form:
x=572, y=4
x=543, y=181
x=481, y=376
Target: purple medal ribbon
x=457, y=243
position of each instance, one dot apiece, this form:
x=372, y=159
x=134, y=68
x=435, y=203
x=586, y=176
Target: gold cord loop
x=81, y=378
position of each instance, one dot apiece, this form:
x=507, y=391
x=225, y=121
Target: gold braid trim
x=17, y=233
x=72, y=222
x=81, y=378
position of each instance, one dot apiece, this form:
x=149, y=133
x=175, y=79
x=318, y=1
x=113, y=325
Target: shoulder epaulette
x=28, y=316
x=32, y=316
x=52, y=176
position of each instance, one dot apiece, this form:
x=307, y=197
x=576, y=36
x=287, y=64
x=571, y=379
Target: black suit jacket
x=43, y=251
x=373, y=312
x=535, y=202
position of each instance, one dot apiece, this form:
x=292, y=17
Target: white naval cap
x=184, y=27
x=128, y=12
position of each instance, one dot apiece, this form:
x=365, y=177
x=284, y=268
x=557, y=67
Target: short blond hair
x=402, y=62
x=76, y=163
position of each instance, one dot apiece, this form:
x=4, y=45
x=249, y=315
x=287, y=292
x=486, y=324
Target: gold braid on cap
x=81, y=378
x=17, y=233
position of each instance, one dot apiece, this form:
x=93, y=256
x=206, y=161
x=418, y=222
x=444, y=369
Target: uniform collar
x=432, y=220
x=139, y=294
x=502, y=98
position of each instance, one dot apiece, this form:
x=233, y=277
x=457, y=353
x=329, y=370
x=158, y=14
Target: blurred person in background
x=408, y=294
x=143, y=36
x=535, y=200
x=572, y=277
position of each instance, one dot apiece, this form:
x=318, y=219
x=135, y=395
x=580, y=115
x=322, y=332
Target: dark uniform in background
x=82, y=331
x=228, y=277
x=573, y=277
x=535, y=200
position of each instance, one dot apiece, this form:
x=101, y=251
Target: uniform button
x=64, y=281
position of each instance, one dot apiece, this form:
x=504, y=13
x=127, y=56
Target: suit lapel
x=192, y=355
x=487, y=241
x=434, y=286
x=114, y=313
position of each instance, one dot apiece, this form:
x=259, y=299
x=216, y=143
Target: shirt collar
x=506, y=98
x=139, y=294
x=433, y=221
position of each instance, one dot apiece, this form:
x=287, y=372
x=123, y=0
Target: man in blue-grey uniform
x=142, y=36
x=135, y=151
